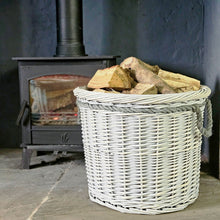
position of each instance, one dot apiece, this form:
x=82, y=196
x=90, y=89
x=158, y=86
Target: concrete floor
x=59, y=191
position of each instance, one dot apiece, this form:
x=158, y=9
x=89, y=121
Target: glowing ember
x=75, y=114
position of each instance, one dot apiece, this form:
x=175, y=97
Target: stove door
x=52, y=101
x=46, y=86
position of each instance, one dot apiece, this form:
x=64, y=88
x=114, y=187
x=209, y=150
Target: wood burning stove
x=49, y=116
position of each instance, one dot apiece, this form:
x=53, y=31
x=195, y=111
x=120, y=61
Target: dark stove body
x=58, y=137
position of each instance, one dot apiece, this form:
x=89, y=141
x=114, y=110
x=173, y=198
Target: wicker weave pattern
x=204, y=92
x=142, y=163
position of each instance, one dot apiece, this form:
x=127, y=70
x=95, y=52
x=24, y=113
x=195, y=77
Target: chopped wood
x=131, y=78
x=134, y=76
x=180, y=86
x=62, y=101
x=154, y=69
x=57, y=93
x=113, y=77
x=177, y=80
x=144, y=88
x=144, y=74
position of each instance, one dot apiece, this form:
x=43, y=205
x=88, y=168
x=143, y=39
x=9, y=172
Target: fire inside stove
x=52, y=100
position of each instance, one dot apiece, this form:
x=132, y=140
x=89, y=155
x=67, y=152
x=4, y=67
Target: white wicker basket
x=142, y=152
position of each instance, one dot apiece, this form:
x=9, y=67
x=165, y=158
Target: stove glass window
x=52, y=100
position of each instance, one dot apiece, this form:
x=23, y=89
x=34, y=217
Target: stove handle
x=21, y=113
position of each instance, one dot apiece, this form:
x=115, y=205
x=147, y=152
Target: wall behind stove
x=10, y=45
x=163, y=32
x=27, y=28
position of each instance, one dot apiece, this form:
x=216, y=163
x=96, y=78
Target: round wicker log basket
x=142, y=152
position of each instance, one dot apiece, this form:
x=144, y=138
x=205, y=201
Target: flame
x=55, y=118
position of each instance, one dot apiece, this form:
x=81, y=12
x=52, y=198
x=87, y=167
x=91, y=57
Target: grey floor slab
x=59, y=191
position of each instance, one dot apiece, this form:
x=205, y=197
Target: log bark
x=144, y=74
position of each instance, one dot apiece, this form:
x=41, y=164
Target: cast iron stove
x=49, y=115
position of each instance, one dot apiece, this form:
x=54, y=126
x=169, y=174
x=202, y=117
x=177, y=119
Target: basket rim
x=85, y=94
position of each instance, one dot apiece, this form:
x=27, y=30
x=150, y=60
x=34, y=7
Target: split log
x=62, y=101
x=114, y=77
x=143, y=89
x=179, y=82
x=143, y=74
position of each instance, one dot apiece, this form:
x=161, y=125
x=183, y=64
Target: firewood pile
x=52, y=100
x=134, y=76
x=55, y=93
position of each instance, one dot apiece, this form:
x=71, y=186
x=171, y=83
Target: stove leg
x=26, y=158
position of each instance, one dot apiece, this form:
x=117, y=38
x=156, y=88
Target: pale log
x=146, y=75
x=166, y=75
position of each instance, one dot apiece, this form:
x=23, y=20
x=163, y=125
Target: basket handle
x=207, y=132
